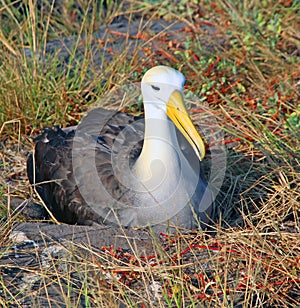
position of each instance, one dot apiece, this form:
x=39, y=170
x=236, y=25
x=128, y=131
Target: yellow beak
x=177, y=113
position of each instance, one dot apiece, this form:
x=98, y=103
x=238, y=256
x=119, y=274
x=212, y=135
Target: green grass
x=246, y=72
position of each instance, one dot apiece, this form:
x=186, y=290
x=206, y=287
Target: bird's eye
x=155, y=88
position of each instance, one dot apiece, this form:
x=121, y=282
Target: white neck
x=159, y=157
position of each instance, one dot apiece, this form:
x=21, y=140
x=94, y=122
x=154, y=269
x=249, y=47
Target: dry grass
x=244, y=64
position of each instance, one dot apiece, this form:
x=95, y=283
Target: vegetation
x=242, y=59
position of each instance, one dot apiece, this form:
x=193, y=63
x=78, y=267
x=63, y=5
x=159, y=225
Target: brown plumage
x=81, y=181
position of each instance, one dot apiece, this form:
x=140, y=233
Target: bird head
x=162, y=88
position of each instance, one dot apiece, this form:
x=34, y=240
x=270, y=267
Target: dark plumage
x=84, y=174
x=53, y=164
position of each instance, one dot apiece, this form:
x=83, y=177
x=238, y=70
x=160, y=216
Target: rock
x=48, y=265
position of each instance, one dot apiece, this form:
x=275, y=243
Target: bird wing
x=61, y=182
x=78, y=171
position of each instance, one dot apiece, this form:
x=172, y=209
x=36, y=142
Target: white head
x=159, y=83
x=162, y=88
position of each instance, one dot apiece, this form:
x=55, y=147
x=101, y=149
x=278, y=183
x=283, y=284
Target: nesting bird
x=117, y=169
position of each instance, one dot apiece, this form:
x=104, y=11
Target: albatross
x=118, y=169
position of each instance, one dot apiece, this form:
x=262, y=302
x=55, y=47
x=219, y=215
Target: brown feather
x=94, y=142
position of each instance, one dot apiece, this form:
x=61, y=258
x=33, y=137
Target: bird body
x=118, y=169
